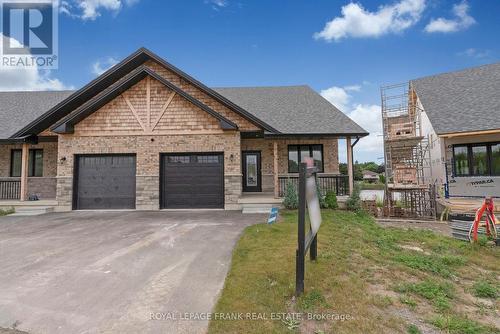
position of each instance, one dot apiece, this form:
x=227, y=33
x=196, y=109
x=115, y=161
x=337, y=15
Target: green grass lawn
x=382, y=280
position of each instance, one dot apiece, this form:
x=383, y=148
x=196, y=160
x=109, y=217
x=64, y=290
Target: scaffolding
x=407, y=155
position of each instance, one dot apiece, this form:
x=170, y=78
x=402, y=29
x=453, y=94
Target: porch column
x=350, y=169
x=24, y=172
x=275, y=167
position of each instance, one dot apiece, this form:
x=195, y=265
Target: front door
x=251, y=171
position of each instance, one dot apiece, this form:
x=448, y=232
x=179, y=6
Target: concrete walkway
x=115, y=272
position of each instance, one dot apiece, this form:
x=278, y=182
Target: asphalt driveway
x=115, y=272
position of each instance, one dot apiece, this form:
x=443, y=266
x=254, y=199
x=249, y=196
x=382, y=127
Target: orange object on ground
x=490, y=223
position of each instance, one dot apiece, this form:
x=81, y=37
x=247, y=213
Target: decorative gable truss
x=143, y=102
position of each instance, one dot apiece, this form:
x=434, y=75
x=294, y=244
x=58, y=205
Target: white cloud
x=26, y=78
x=461, y=21
x=101, y=66
x=474, y=53
x=91, y=9
x=353, y=88
x=217, y=4
x=368, y=116
x=356, y=21
x=220, y=3
x=337, y=96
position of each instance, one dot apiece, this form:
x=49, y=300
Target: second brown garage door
x=192, y=181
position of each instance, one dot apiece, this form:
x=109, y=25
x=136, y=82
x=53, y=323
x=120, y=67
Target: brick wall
x=44, y=187
x=49, y=157
x=148, y=149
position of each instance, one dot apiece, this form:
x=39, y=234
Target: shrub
x=331, y=200
x=484, y=289
x=381, y=178
x=353, y=203
x=291, y=200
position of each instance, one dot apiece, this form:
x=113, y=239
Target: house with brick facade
x=145, y=135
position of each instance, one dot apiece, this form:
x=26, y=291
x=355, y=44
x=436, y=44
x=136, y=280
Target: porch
x=28, y=170
x=270, y=165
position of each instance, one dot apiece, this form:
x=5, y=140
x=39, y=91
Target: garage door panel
x=105, y=182
x=193, y=181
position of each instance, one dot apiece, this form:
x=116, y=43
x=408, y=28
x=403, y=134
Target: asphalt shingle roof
x=289, y=109
x=18, y=109
x=292, y=109
x=462, y=101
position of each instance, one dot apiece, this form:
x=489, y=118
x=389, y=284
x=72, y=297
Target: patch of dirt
x=414, y=248
x=379, y=289
x=412, y=318
x=437, y=226
x=485, y=311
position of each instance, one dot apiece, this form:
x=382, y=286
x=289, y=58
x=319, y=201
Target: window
x=479, y=160
x=207, y=159
x=293, y=159
x=180, y=159
x=476, y=159
x=495, y=159
x=35, y=163
x=15, y=163
x=304, y=151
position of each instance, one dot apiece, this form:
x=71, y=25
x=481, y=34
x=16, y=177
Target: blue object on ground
x=273, y=216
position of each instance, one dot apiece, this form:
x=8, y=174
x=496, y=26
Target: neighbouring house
x=145, y=135
x=460, y=119
x=369, y=176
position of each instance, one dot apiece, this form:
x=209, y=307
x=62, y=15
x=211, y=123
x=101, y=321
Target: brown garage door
x=104, y=182
x=192, y=181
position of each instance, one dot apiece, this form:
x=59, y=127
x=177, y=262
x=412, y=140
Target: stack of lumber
x=466, y=205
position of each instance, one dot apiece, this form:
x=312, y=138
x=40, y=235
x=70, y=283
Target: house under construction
x=406, y=153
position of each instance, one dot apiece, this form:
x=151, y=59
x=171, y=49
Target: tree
x=343, y=168
x=381, y=168
x=360, y=167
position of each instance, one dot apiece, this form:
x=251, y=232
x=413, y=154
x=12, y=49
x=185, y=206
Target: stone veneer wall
x=147, y=149
x=266, y=146
x=44, y=187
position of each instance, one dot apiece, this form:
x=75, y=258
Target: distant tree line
x=359, y=167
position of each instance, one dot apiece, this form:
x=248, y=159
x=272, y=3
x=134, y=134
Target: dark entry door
x=192, y=181
x=251, y=171
x=104, y=182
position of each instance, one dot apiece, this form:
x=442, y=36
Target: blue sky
x=255, y=43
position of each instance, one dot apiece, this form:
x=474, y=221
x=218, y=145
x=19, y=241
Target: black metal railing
x=10, y=189
x=337, y=183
